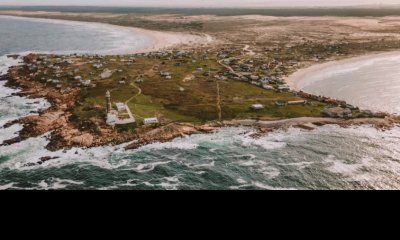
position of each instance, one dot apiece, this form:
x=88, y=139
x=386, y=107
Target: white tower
x=108, y=100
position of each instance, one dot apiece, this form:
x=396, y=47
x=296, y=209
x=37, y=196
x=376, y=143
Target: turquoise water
x=326, y=158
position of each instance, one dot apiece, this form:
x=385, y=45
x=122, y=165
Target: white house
x=257, y=106
x=268, y=87
x=120, y=107
x=86, y=82
x=112, y=119
x=149, y=121
x=284, y=88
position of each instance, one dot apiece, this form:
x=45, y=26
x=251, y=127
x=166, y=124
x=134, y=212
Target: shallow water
x=326, y=158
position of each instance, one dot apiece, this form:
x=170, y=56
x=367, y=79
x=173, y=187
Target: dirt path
x=248, y=51
x=219, y=103
x=229, y=68
x=130, y=99
x=137, y=94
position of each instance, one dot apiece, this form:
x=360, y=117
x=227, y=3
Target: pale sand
x=301, y=75
x=166, y=40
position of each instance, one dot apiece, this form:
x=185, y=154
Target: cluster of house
x=166, y=75
x=341, y=109
x=337, y=112
x=85, y=83
x=256, y=71
x=258, y=106
x=324, y=99
x=43, y=66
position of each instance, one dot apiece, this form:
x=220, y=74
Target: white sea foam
x=264, y=186
x=147, y=167
x=5, y=63
x=299, y=165
x=241, y=181
x=269, y=142
x=176, y=144
x=270, y=172
x=170, y=183
x=7, y=186
x=48, y=184
x=258, y=185
x=251, y=163
x=203, y=165
x=56, y=183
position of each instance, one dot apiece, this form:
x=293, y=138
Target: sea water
x=329, y=157
x=369, y=83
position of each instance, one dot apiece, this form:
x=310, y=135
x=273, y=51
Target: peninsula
x=235, y=77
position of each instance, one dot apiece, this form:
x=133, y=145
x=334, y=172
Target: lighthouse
x=108, y=100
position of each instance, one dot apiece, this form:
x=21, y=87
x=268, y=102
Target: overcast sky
x=202, y=3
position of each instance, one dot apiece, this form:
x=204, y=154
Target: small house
x=112, y=119
x=120, y=107
x=280, y=103
x=268, y=87
x=337, y=112
x=254, y=77
x=86, y=83
x=149, y=121
x=284, y=88
x=257, y=106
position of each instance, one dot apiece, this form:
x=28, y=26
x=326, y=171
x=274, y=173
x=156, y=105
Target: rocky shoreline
x=65, y=134
x=307, y=123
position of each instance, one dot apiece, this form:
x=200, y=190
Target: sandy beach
x=165, y=40
x=301, y=75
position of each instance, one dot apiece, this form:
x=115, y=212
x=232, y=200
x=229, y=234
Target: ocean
x=328, y=157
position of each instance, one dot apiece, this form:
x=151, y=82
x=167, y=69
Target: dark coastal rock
x=13, y=56
x=10, y=124
x=42, y=160
x=305, y=126
x=12, y=141
x=168, y=132
x=261, y=132
x=45, y=159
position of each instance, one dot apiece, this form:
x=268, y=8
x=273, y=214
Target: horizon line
x=211, y=7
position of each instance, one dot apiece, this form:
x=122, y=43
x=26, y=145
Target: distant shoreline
x=344, y=11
